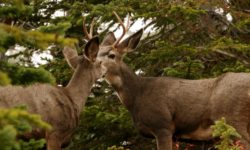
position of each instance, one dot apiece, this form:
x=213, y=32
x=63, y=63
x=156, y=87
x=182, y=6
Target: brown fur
x=168, y=107
x=59, y=106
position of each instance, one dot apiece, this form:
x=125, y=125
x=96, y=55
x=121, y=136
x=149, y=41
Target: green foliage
x=99, y=123
x=8, y=138
x=31, y=75
x=32, y=38
x=186, y=11
x=185, y=65
x=227, y=135
x=4, y=79
x=14, y=9
x=32, y=144
x=116, y=148
x=62, y=72
x=6, y=40
x=185, y=69
x=244, y=24
x=23, y=76
x=15, y=122
x=230, y=44
x=59, y=29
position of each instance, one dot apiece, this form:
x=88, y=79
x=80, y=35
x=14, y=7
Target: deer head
x=88, y=59
x=112, y=50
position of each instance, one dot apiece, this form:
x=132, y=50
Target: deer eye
x=111, y=56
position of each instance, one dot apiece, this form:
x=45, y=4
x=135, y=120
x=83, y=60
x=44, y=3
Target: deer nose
x=99, y=60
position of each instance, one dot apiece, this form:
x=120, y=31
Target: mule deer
x=59, y=106
x=166, y=107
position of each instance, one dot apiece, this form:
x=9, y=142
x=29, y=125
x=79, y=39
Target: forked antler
x=124, y=28
x=89, y=34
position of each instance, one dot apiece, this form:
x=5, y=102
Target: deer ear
x=130, y=43
x=71, y=56
x=109, y=39
x=92, y=48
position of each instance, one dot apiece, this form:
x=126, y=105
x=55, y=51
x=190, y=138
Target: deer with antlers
x=167, y=107
x=59, y=106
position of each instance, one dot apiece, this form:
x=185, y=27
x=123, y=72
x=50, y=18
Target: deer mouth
x=104, y=71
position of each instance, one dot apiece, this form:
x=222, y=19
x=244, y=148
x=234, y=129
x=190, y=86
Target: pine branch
x=245, y=61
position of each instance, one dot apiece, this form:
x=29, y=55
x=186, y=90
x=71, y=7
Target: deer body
x=54, y=106
x=168, y=107
x=59, y=106
x=185, y=108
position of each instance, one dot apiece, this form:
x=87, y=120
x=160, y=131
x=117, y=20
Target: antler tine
x=92, y=27
x=128, y=22
x=90, y=34
x=123, y=27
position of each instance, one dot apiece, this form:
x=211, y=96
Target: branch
x=245, y=61
x=162, y=33
x=226, y=22
x=2, y=56
x=246, y=10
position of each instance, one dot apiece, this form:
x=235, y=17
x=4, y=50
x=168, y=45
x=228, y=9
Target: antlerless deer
x=59, y=106
x=165, y=107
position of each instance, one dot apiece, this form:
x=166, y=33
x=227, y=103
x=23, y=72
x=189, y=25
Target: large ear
x=92, y=48
x=130, y=43
x=109, y=39
x=71, y=56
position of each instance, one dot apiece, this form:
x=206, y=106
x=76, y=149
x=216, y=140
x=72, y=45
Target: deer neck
x=80, y=85
x=126, y=84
